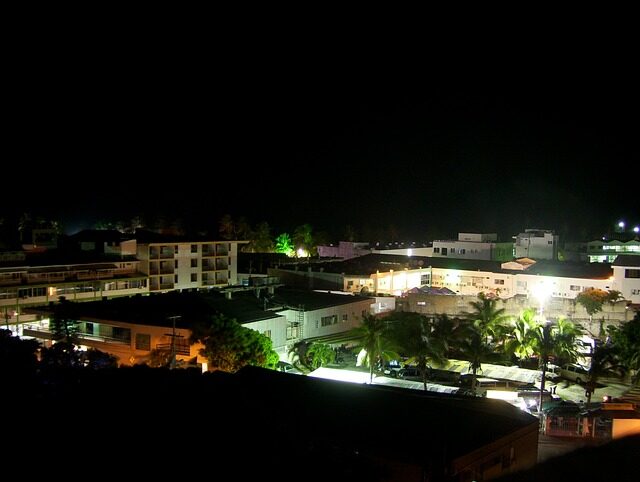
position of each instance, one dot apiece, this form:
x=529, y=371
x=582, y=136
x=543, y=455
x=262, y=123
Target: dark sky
x=328, y=139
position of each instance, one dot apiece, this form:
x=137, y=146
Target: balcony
x=222, y=264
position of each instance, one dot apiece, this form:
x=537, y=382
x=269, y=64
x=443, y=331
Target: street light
x=541, y=292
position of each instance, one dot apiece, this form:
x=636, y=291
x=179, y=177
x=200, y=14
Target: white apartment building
x=473, y=246
x=193, y=264
x=508, y=282
x=626, y=270
x=537, y=244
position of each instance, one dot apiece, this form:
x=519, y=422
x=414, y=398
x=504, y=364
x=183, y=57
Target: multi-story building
x=193, y=264
x=36, y=282
x=602, y=250
x=344, y=250
x=473, y=246
x=107, y=265
x=536, y=244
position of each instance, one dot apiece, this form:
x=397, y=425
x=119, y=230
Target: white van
x=573, y=372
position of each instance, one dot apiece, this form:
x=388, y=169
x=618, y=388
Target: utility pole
x=172, y=361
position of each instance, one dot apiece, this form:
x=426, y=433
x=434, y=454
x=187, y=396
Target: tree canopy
x=230, y=346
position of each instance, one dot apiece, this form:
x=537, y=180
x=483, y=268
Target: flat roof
x=370, y=263
x=156, y=309
x=410, y=424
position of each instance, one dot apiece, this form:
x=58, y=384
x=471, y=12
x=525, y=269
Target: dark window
x=632, y=273
x=194, y=276
x=194, y=263
x=444, y=251
x=329, y=320
x=143, y=341
x=194, y=248
x=123, y=334
x=88, y=328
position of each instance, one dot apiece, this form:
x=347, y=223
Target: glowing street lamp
x=541, y=292
x=636, y=229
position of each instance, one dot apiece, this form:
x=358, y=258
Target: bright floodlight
x=636, y=229
x=621, y=224
x=541, y=291
x=302, y=253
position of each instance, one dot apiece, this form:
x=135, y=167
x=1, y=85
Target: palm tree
x=303, y=238
x=604, y=362
x=521, y=340
x=557, y=340
x=374, y=337
x=416, y=338
x=476, y=348
x=448, y=332
x=284, y=244
x=488, y=318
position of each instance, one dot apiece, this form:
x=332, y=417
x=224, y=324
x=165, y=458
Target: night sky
x=352, y=139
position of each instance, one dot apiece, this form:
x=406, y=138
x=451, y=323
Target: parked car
x=392, y=368
x=552, y=374
x=410, y=373
x=573, y=372
x=288, y=368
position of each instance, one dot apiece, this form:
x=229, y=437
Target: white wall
x=505, y=285
x=405, y=251
x=472, y=250
x=277, y=327
x=629, y=287
x=353, y=311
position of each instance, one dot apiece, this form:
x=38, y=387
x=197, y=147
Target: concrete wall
x=275, y=328
x=312, y=322
x=432, y=305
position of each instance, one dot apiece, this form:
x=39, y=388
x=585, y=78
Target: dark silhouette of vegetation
x=626, y=340
x=230, y=346
x=64, y=325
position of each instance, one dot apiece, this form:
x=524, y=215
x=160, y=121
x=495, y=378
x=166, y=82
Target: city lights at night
x=241, y=259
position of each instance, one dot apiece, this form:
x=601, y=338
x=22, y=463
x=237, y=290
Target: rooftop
x=369, y=264
x=244, y=307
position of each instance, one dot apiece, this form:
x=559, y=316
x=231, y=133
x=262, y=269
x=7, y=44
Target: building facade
x=27, y=286
x=537, y=244
x=184, y=265
x=474, y=246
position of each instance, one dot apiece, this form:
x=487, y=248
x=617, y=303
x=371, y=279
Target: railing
x=47, y=334
x=567, y=427
x=181, y=348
